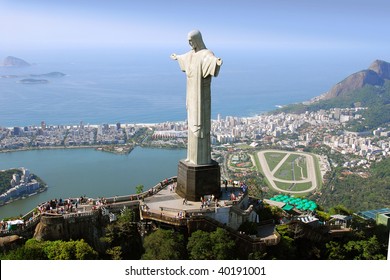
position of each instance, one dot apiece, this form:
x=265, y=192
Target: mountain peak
x=382, y=68
x=375, y=75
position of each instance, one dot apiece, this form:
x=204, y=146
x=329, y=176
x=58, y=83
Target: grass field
x=318, y=172
x=273, y=159
x=302, y=165
x=301, y=186
x=300, y=168
x=295, y=187
x=283, y=186
x=285, y=172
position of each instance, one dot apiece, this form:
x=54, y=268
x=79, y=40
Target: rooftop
x=371, y=214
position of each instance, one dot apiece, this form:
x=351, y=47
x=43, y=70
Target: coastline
x=114, y=149
x=40, y=190
x=50, y=148
x=96, y=147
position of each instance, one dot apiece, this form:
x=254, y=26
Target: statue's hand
x=219, y=61
x=174, y=56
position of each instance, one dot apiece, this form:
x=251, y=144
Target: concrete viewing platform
x=168, y=203
x=163, y=206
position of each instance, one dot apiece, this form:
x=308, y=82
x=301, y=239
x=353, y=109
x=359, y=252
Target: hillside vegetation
x=375, y=98
x=6, y=177
x=356, y=192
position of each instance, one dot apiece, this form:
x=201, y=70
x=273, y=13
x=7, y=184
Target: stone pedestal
x=194, y=181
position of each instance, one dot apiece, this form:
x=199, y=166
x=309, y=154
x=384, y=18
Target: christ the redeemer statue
x=200, y=65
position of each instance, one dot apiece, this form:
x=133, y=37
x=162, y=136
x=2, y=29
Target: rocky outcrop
x=11, y=61
x=382, y=68
x=10, y=242
x=375, y=75
x=56, y=227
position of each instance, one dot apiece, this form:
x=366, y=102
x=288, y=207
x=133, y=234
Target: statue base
x=195, y=181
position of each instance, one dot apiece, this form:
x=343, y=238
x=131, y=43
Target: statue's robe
x=199, y=67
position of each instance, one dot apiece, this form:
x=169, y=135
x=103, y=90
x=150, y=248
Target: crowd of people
x=62, y=206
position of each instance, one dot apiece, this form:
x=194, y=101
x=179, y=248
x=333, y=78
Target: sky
x=334, y=25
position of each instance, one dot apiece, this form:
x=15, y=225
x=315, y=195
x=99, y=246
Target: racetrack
x=311, y=173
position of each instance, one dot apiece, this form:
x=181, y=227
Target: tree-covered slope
x=6, y=177
x=358, y=193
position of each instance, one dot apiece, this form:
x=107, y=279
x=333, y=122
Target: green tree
x=362, y=249
x=53, y=250
x=83, y=251
x=69, y=250
x=368, y=249
x=335, y=251
x=286, y=249
x=340, y=209
x=5, y=179
x=122, y=238
x=258, y=255
x=31, y=250
x=323, y=216
x=139, y=189
x=223, y=246
x=248, y=227
x=268, y=212
x=216, y=245
x=164, y=245
x=199, y=246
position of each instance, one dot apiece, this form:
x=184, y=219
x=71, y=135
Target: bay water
x=77, y=172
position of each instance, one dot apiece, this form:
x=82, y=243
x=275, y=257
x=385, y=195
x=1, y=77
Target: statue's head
x=195, y=40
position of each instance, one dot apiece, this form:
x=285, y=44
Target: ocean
x=148, y=87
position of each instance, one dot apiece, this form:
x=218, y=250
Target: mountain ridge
x=375, y=75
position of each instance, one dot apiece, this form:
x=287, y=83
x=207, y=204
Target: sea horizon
x=140, y=87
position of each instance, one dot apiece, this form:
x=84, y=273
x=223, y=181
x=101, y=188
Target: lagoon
x=76, y=172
